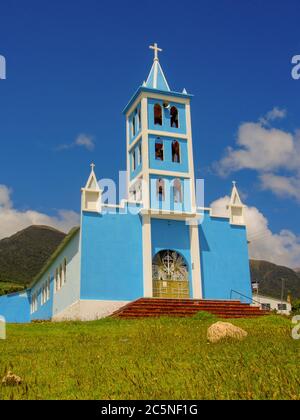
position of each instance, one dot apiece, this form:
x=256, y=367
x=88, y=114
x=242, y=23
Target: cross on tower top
x=156, y=51
x=93, y=166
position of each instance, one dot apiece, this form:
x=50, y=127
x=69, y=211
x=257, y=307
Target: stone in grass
x=11, y=379
x=221, y=330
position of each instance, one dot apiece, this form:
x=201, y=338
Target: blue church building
x=156, y=243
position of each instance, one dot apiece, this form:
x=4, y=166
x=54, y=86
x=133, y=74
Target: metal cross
x=156, y=50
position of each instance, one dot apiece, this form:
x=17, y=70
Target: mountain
x=23, y=255
x=269, y=276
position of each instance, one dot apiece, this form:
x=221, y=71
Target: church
x=158, y=243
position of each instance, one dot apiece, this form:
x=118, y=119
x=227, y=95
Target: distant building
x=270, y=303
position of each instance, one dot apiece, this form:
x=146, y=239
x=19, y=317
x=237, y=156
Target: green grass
x=150, y=359
x=8, y=287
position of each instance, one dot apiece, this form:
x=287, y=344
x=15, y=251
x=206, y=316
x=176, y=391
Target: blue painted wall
x=169, y=203
x=166, y=123
x=167, y=164
x=44, y=312
x=173, y=235
x=224, y=259
x=112, y=258
x=15, y=307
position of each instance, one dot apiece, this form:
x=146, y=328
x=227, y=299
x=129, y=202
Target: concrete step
x=146, y=308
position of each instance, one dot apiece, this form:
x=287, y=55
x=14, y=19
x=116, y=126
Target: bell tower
x=160, y=163
x=160, y=169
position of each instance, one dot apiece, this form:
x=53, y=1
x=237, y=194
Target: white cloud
x=260, y=148
x=5, y=201
x=282, y=186
x=275, y=114
x=273, y=153
x=83, y=140
x=281, y=248
x=13, y=220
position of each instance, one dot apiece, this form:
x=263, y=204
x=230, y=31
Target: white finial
x=93, y=166
x=156, y=51
x=234, y=183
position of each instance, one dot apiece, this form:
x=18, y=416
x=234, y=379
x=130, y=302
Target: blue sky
x=73, y=65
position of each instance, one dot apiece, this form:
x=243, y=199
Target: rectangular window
x=282, y=307
x=65, y=270
x=139, y=120
x=140, y=154
x=133, y=125
x=48, y=288
x=56, y=280
x=265, y=306
x=34, y=303
x=133, y=156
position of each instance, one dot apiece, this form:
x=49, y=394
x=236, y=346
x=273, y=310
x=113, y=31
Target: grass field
x=150, y=359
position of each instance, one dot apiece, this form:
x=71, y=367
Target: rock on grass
x=222, y=330
x=11, y=379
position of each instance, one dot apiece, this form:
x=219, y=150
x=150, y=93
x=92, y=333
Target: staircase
x=151, y=308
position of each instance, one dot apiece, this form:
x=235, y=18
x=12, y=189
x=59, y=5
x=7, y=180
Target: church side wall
x=69, y=292
x=112, y=257
x=224, y=259
x=15, y=308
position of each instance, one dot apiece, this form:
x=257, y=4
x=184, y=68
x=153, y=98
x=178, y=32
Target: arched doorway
x=170, y=276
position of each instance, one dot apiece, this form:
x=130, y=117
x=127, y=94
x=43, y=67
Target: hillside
x=23, y=255
x=269, y=276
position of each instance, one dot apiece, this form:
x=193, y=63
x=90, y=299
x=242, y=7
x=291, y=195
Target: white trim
x=157, y=133
x=214, y=216
x=147, y=256
x=196, y=262
x=190, y=153
x=122, y=205
x=91, y=196
x=172, y=215
x=155, y=68
x=172, y=174
x=159, y=96
x=134, y=143
x=145, y=152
